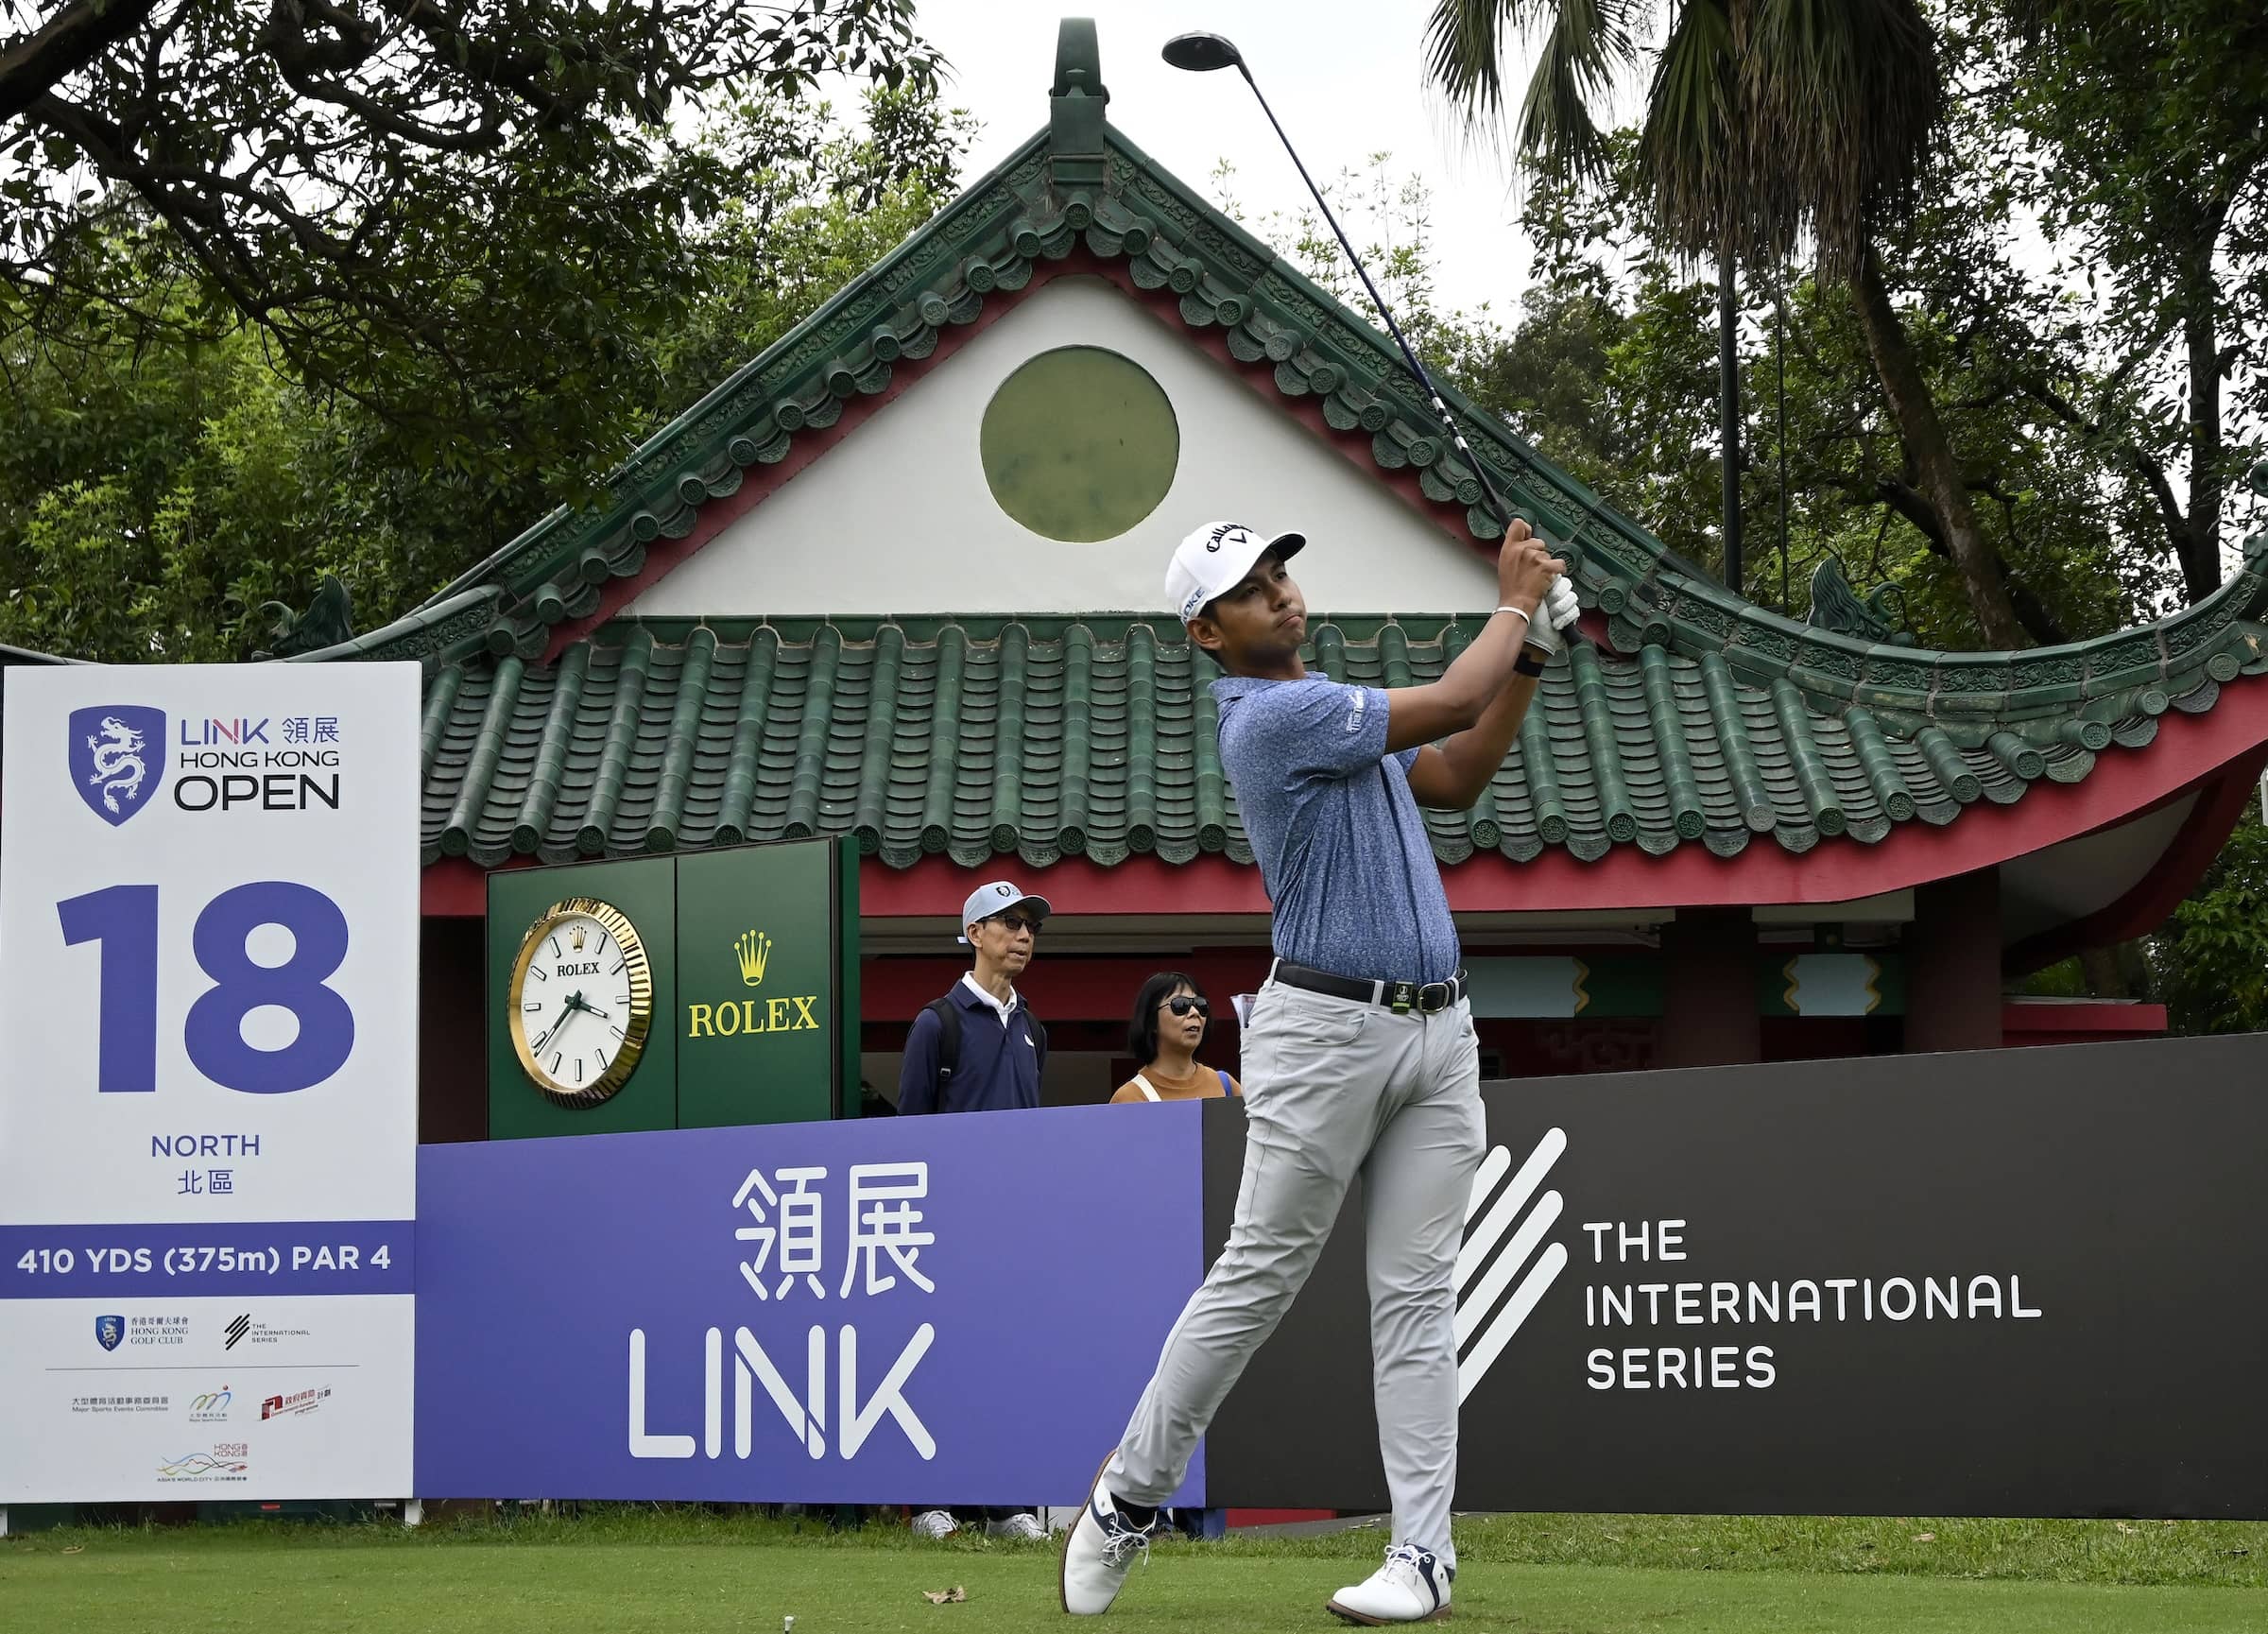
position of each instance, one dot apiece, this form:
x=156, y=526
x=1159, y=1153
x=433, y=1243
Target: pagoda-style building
x=898, y=578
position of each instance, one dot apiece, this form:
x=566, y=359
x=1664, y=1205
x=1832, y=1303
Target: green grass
x=674, y=1572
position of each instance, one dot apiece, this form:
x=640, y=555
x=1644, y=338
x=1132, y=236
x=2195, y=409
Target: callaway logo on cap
x=1213, y=558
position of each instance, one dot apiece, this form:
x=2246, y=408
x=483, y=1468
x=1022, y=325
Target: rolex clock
x=580, y=1001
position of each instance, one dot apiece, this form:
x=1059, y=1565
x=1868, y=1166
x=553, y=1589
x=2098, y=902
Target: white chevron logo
x=1479, y=1292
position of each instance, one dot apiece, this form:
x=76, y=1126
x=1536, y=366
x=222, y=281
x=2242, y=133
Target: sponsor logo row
x=169, y=1332
x=215, y=1407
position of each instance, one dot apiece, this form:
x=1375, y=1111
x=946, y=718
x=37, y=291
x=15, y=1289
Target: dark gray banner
x=2017, y=1282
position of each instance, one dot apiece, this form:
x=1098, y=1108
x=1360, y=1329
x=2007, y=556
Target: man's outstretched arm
x=1472, y=687
x=1454, y=773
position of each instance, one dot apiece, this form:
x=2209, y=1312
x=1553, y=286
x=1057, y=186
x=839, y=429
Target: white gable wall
x=897, y=518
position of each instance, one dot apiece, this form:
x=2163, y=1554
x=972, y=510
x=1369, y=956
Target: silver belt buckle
x=1434, y=997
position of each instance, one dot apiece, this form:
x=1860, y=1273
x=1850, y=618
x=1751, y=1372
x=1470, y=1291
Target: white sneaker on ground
x=1412, y=1587
x=1022, y=1528
x=935, y=1524
x=1099, y=1552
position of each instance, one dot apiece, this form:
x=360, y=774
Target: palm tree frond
x=1463, y=45
x=1686, y=143
x=1465, y=42
x=1839, y=98
x=1764, y=117
x=1581, y=55
x=1556, y=131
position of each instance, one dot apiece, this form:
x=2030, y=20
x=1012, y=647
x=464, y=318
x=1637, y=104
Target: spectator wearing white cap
x=978, y=1049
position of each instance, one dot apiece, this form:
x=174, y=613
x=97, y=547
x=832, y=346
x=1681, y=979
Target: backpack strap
x=1148, y=1091
x=949, y=1041
x=1224, y=1077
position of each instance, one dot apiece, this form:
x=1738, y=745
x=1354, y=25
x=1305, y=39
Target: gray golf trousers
x=1334, y=1089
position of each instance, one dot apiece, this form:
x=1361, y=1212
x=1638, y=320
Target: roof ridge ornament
x=1837, y=606
x=328, y=620
x=1075, y=104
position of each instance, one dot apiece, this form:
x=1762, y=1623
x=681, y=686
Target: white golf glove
x=1560, y=610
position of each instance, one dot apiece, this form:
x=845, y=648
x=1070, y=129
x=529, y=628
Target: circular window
x=1079, y=445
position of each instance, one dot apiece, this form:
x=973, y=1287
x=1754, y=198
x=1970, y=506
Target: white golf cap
x=1215, y=558
x=996, y=898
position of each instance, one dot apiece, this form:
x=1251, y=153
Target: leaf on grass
x=2124, y=1527
x=1925, y=1537
x=74, y=1549
x=951, y=1596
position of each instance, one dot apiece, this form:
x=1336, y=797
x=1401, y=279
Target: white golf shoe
x=1412, y=1587
x=934, y=1523
x=1099, y=1552
x=1021, y=1527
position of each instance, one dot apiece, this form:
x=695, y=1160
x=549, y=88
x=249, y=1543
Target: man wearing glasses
x=978, y=1049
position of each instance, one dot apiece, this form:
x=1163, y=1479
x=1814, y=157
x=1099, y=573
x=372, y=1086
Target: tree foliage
x=459, y=215
x=1611, y=370
x=1765, y=121
x=2146, y=158
x=2210, y=965
x=171, y=474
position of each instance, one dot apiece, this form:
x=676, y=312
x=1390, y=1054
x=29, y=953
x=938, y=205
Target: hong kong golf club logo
x=110, y=1332
x=1486, y=1318
x=117, y=758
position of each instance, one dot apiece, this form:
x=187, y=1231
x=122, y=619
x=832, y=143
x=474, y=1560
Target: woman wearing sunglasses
x=1169, y=1024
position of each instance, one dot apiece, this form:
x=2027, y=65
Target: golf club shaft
x=1494, y=501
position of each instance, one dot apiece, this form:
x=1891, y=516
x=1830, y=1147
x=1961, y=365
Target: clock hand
x=566, y=1015
x=590, y=1008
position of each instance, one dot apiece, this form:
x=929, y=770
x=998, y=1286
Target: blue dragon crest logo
x=110, y=1332
x=117, y=758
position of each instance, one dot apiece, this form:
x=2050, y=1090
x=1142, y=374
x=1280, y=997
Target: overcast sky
x=1346, y=79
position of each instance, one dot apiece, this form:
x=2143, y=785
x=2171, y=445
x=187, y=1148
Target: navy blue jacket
x=999, y=1069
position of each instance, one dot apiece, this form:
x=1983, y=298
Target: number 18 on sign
x=209, y=886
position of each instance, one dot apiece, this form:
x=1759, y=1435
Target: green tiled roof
x=1047, y=737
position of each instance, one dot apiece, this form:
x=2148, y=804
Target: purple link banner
x=929, y=1310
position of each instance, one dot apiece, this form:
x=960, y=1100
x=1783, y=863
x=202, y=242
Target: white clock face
x=575, y=1004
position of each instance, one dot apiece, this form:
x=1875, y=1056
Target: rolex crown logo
x=754, y=951
x=575, y=936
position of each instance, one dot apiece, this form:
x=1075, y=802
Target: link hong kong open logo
x=117, y=758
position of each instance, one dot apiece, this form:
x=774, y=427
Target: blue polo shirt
x=1341, y=845
x=999, y=1067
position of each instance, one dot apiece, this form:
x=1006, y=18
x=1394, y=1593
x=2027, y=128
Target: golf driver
x=1202, y=54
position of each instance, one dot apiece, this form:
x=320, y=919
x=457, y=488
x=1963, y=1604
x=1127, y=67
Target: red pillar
x=1708, y=1010
x=1953, y=965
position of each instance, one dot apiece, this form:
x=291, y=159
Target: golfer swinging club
x=1360, y=1055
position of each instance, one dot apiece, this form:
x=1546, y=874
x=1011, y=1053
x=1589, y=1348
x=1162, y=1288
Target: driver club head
x=1202, y=53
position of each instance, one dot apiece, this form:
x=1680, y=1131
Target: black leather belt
x=1426, y=998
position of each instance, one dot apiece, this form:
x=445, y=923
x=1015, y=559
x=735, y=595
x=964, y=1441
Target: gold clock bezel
x=617, y=924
